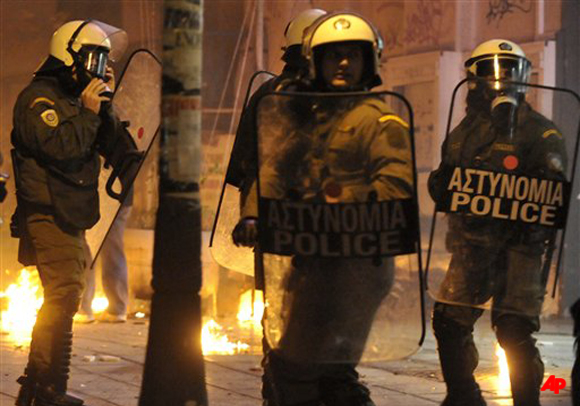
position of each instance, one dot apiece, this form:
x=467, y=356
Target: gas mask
x=505, y=97
x=497, y=64
x=91, y=62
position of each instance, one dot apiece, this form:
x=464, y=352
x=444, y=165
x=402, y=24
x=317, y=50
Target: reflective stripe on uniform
x=41, y=100
x=546, y=134
x=393, y=117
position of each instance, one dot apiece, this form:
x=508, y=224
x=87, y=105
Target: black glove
x=437, y=183
x=14, y=225
x=3, y=191
x=245, y=233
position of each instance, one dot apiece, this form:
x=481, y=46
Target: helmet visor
x=94, y=60
x=117, y=39
x=501, y=68
x=114, y=39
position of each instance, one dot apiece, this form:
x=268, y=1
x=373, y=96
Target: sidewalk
x=108, y=362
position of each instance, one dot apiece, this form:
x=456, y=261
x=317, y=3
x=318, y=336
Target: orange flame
x=251, y=312
x=99, y=303
x=24, y=298
x=216, y=341
x=503, y=379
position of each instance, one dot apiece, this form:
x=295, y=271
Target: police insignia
x=341, y=24
x=49, y=117
x=504, y=46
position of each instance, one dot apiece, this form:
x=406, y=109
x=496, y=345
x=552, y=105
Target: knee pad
x=445, y=327
x=70, y=303
x=514, y=331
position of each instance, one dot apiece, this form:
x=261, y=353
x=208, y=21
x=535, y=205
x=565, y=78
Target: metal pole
x=260, y=36
x=174, y=372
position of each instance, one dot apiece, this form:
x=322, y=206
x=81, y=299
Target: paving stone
x=236, y=380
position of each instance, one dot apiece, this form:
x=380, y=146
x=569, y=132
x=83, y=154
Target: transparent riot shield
x=222, y=248
x=502, y=195
x=137, y=102
x=338, y=227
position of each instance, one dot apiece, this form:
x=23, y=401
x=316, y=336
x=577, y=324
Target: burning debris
x=215, y=338
x=20, y=303
x=22, y=299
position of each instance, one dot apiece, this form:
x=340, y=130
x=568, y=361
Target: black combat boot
x=49, y=396
x=291, y=384
x=340, y=386
x=52, y=339
x=53, y=386
x=27, y=391
x=464, y=398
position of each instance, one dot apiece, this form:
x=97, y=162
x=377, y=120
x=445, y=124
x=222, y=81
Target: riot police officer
x=490, y=258
x=62, y=122
x=365, y=151
x=241, y=169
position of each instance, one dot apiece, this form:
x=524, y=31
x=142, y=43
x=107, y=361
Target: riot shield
x=222, y=248
x=137, y=102
x=338, y=226
x=501, y=195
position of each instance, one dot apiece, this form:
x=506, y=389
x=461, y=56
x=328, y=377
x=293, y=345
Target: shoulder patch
x=395, y=118
x=41, y=100
x=49, y=117
x=551, y=132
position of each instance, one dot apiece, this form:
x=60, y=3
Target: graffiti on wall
x=498, y=9
x=390, y=23
x=425, y=25
x=422, y=23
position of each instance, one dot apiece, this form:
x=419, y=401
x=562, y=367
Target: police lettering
x=336, y=218
x=506, y=196
x=387, y=243
x=325, y=230
x=485, y=206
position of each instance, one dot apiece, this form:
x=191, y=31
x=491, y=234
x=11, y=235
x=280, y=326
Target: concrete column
x=174, y=371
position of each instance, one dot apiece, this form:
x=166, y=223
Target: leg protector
x=50, y=356
x=457, y=352
x=514, y=334
x=27, y=391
